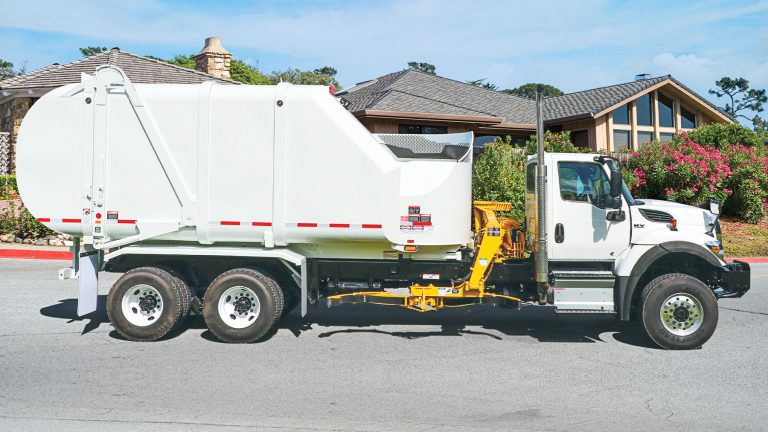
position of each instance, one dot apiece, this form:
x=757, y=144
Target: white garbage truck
x=242, y=202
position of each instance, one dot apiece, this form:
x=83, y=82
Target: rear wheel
x=242, y=305
x=679, y=311
x=146, y=303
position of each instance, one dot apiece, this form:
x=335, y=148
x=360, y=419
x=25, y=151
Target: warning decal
x=416, y=222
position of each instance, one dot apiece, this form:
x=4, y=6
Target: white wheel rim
x=142, y=305
x=239, y=307
x=681, y=314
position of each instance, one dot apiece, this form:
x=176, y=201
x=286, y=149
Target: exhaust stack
x=542, y=266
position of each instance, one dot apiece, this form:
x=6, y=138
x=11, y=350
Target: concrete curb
x=750, y=260
x=38, y=254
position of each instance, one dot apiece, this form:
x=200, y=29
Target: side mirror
x=714, y=207
x=616, y=182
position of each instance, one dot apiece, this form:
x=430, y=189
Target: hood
x=683, y=213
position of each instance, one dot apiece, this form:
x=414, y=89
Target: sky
x=573, y=45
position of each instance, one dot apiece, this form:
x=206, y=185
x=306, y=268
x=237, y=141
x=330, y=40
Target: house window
x=687, y=119
x=620, y=140
x=644, y=137
x=421, y=129
x=666, y=112
x=580, y=138
x=621, y=115
x=665, y=137
x=644, y=111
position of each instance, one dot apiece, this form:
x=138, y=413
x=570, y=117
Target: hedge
x=8, y=187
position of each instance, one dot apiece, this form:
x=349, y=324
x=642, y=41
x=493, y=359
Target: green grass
x=742, y=239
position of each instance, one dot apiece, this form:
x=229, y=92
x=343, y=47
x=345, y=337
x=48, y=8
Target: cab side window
x=582, y=182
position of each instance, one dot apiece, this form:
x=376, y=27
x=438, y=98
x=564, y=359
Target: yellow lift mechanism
x=494, y=244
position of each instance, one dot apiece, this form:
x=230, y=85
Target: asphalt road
x=368, y=368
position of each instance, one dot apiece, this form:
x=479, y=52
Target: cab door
x=581, y=229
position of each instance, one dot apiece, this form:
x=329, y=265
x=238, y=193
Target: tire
x=139, y=290
x=242, y=305
x=679, y=312
x=186, y=298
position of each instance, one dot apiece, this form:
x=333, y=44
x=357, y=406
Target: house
x=19, y=93
x=410, y=101
x=612, y=118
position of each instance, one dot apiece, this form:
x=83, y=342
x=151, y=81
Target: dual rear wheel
x=239, y=306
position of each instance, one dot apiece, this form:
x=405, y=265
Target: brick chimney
x=213, y=58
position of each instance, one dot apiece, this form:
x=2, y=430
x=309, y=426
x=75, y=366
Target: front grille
x=656, y=215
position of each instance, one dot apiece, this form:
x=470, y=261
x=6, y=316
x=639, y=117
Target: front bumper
x=734, y=280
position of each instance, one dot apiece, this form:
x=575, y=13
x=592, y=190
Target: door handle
x=559, y=233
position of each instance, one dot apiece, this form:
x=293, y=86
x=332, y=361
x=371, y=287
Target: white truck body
x=212, y=164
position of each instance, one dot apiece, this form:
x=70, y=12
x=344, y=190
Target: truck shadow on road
x=538, y=323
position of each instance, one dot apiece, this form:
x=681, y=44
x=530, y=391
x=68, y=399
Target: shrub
x=720, y=135
x=30, y=227
x=9, y=223
x=499, y=175
x=556, y=142
x=8, y=187
x=688, y=172
x=681, y=170
x=748, y=181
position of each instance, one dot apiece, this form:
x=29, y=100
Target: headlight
x=716, y=248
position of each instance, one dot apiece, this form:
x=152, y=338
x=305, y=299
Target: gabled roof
x=139, y=69
x=591, y=103
x=411, y=91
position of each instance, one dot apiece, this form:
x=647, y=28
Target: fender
x=626, y=285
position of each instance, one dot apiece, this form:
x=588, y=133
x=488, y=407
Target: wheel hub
x=242, y=305
x=239, y=306
x=147, y=303
x=142, y=305
x=681, y=314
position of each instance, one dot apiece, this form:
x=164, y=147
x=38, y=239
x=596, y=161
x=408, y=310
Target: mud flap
x=89, y=265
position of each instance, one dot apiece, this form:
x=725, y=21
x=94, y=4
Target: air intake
x=656, y=215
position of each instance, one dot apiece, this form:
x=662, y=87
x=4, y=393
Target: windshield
x=624, y=189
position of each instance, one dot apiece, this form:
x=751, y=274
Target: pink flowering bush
x=687, y=172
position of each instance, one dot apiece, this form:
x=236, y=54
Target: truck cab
x=608, y=252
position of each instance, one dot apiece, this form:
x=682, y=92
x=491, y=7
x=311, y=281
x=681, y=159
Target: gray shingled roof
x=414, y=91
x=587, y=103
x=139, y=69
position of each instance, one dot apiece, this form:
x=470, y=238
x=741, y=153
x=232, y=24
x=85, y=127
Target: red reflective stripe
x=261, y=223
x=126, y=221
x=410, y=241
x=306, y=225
x=71, y=220
x=229, y=223
x=336, y=225
x=43, y=219
x=371, y=225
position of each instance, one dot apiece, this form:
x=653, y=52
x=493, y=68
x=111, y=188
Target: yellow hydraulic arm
x=493, y=244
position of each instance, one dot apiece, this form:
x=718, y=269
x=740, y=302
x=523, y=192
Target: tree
x=326, y=70
x=482, y=83
x=298, y=76
x=528, y=91
x=6, y=70
x=742, y=97
x=422, y=67
x=241, y=71
x=89, y=51
x=499, y=175
x=238, y=70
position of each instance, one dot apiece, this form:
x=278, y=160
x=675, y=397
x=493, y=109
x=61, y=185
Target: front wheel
x=679, y=312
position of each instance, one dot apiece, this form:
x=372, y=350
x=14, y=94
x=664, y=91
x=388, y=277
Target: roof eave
x=448, y=118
